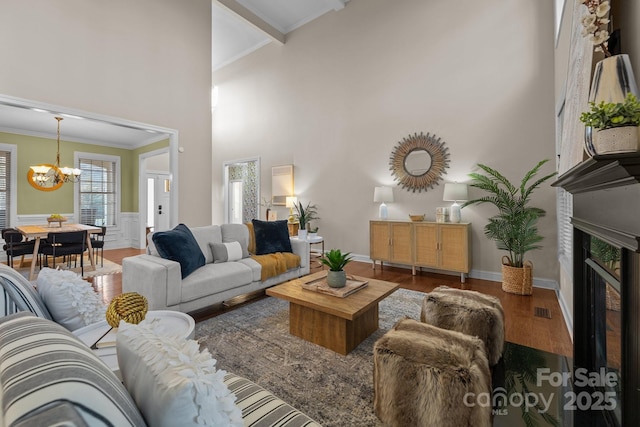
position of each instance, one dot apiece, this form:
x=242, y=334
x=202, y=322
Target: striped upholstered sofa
x=49, y=377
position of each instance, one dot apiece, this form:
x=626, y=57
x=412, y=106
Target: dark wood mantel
x=601, y=172
x=612, y=216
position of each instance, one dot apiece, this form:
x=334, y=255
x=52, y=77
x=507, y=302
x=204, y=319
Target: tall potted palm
x=514, y=227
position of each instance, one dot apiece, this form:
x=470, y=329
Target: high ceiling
x=239, y=27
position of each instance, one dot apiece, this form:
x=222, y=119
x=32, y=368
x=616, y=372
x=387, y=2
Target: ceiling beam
x=338, y=4
x=254, y=20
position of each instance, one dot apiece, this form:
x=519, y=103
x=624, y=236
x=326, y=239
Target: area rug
x=253, y=341
x=337, y=391
x=109, y=267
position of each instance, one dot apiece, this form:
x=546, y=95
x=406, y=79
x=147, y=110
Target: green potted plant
x=514, y=227
x=336, y=261
x=305, y=215
x=616, y=123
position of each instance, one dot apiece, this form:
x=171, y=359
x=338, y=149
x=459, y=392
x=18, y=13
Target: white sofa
x=160, y=280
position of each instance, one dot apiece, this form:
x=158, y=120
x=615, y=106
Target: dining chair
x=65, y=244
x=97, y=243
x=15, y=245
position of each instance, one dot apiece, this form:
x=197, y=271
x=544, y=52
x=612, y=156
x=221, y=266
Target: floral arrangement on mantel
x=595, y=24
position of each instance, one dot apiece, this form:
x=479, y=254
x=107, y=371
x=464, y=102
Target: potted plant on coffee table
x=616, y=123
x=305, y=215
x=514, y=227
x=336, y=260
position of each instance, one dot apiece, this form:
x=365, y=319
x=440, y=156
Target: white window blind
x=5, y=188
x=98, y=192
x=565, y=229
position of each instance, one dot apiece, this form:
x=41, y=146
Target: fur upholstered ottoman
x=469, y=312
x=427, y=376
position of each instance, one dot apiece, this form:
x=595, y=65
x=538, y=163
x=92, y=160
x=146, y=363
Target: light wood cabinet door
x=379, y=240
x=426, y=244
x=454, y=247
x=401, y=242
x=441, y=246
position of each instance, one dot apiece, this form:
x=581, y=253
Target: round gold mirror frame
x=37, y=186
x=432, y=173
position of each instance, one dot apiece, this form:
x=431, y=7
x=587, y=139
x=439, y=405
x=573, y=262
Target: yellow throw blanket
x=276, y=263
x=252, y=238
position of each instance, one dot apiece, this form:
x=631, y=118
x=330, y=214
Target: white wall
x=145, y=60
x=346, y=88
x=630, y=30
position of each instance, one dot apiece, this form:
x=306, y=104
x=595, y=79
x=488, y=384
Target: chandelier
x=54, y=176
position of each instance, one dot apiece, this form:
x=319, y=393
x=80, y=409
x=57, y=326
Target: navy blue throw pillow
x=271, y=236
x=180, y=245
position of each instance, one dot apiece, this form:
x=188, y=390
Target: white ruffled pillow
x=72, y=301
x=171, y=380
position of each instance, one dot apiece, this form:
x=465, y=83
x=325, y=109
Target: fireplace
x=606, y=287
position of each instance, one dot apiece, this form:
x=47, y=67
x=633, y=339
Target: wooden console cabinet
x=391, y=242
x=437, y=245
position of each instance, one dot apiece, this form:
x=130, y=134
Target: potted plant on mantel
x=336, y=261
x=613, y=76
x=514, y=228
x=305, y=215
x=617, y=124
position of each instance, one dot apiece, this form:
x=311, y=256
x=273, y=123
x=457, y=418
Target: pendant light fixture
x=51, y=177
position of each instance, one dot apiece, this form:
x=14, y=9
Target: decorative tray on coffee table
x=319, y=284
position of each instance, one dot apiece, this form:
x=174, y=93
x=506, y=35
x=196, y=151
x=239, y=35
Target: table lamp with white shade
x=455, y=192
x=383, y=195
x=291, y=202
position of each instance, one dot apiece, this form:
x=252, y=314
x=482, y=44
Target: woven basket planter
x=517, y=280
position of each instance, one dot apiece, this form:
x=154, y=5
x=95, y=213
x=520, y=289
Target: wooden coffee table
x=339, y=324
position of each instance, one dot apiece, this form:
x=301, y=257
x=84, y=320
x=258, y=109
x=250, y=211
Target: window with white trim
x=565, y=229
x=5, y=189
x=564, y=199
x=99, y=189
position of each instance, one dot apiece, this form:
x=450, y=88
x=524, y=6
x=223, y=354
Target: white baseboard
x=493, y=276
x=538, y=282
x=568, y=316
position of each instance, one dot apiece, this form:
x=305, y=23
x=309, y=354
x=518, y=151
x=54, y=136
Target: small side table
x=170, y=321
x=316, y=240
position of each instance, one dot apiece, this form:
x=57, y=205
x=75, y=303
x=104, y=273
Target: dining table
x=39, y=231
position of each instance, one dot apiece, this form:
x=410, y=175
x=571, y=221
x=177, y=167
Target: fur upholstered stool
x=469, y=312
x=427, y=376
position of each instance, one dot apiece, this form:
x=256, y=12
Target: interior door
x=241, y=190
x=235, y=202
x=158, y=201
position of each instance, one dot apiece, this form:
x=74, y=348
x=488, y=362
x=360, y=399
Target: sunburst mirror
x=419, y=161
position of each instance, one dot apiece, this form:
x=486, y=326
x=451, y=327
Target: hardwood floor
x=521, y=324
x=110, y=285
